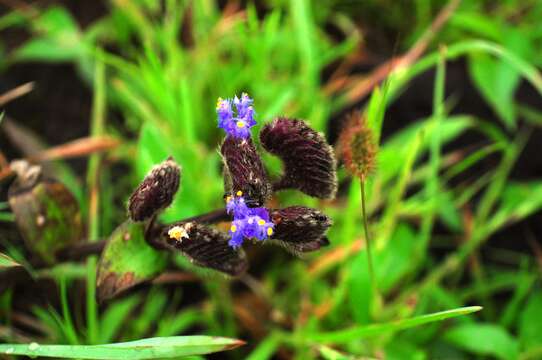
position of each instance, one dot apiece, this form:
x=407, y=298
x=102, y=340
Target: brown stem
x=81, y=251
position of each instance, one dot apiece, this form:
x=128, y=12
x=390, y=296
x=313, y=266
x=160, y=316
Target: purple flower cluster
x=237, y=125
x=250, y=223
x=309, y=166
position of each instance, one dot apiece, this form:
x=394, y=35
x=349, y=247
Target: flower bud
x=309, y=162
x=300, y=229
x=244, y=171
x=205, y=247
x=156, y=191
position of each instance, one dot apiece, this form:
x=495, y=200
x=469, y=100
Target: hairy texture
x=244, y=171
x=300, y=229
x=205, y=246
x=357, y=147
x=156, y=191
x=309, y=162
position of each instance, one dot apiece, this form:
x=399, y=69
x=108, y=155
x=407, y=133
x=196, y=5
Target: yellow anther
x=240, y=124
x=177, y=233
x=261, y=222
x=269, y=231
x=218, y=102
x=233, y=228
x=228, y=199
x=239, y=193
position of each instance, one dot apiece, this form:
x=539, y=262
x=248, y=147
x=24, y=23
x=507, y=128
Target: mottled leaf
x=46, y=213
x=127, y=260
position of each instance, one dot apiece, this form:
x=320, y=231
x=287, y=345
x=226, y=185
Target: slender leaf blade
x=358, y=332
x=167, y=347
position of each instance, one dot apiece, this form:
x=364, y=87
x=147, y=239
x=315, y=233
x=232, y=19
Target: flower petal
x=300, y=229
x=244, y=171
x=309, y=162
x=205, y=247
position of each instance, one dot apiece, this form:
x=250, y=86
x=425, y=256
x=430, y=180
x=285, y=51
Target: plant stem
x=97, y=126
x=370, y=266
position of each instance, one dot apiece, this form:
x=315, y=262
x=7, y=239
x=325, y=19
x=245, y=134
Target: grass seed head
x=358, y=148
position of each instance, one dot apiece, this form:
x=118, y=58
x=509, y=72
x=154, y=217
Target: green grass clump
x=160, y=66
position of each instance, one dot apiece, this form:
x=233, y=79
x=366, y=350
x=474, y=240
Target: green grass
x=165, y=91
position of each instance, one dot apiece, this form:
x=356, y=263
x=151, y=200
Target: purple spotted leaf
x=309, y=161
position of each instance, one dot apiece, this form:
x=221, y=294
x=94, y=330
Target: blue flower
x=250, y=223
x=236, y=206
x=237, y=126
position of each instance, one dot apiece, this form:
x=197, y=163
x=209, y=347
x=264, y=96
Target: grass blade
x=7, y=262
x=151, y=348
x=358, y=332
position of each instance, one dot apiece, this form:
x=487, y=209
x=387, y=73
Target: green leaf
x=530, y=326
x=360, y=294
x=497, y=80
x=402, y=349
x=478, y=23
x=266, y=348
x=127, y=260
x=56, y=21
x=448, y=213
x=485, y=71
x=518, y=200
x=332, y=354
x=394, y=151
x=483, y=339
x=151, y=348
x=393, y=261
x=6, y=262
x=359, y=332
x=59, y=40
x=115, y=316
x=47, y=50
x=375, y=112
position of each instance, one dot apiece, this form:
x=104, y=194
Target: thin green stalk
x=370, y=265
x=432, y=185
x=67, y=324
x=97, y=128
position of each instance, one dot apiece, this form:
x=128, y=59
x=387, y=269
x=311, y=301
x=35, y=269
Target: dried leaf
x=46, y=213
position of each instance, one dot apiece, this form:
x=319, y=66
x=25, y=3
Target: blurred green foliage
x=167, y=62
